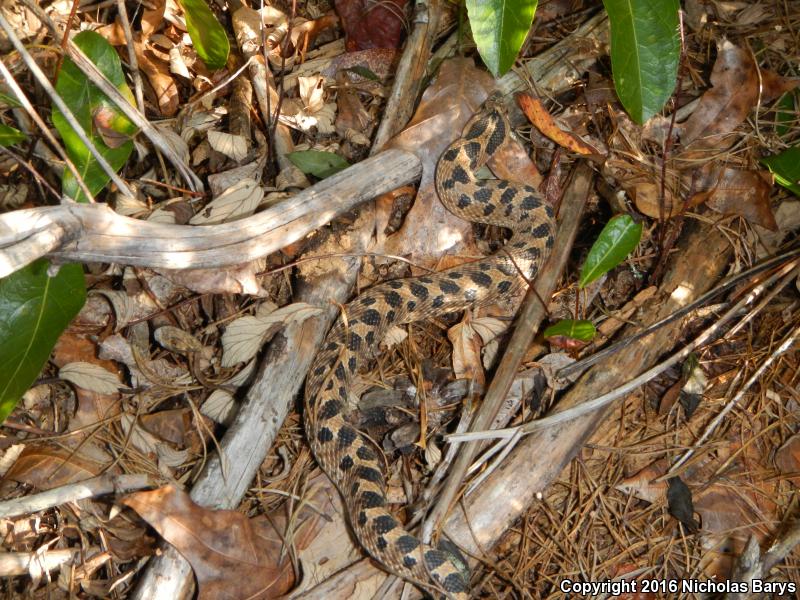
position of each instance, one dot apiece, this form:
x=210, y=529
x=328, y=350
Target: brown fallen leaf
x=366, y=25
x=736, y=192
x=233, y=557
x=737, y=87
x=512, y=162
x=429, y=230
x=45, y=467
x=539, y=116
x=787, y=459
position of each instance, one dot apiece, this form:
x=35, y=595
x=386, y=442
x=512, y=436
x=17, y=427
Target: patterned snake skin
x=349, y=458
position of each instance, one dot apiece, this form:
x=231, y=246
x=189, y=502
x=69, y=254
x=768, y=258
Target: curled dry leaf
x=467, y=344
x=231, y=555
x=90, y=377
x=238, y=201
x=241, y=279
x=787, y=459
x=539, y=116
x=177, y=340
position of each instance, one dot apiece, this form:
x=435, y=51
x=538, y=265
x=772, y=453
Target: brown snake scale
x=348, y=458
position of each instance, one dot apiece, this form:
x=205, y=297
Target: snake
x=348, y=457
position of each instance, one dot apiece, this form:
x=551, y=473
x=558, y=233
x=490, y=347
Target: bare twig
x=138, y=91
x=98, y=234
x=599, y=402
x=91, y=488
x=26, y=104
x=730, y=283
x=530, y=317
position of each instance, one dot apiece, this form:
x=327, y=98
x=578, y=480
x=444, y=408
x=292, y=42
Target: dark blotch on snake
x=420, y=291
x=371, y=317
x=381, y=543
x=346, y=463
x=355, y=342
x=438, y=302
x=393, y=299
x=480, y=278
x=346, y=436
x=435, y=559
x=372, y=500
x=504, y=286
x=384, y=524
x=365, y=453
x=407, y=544
x=448, y=287
x=395, y=284
x=324, y=435
x=459, y=174
x=330, y=409
x=369, y=474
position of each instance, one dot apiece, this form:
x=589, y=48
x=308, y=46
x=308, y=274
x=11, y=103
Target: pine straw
x=586, y=529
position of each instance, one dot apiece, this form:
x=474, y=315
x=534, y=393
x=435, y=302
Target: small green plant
x=618, y=239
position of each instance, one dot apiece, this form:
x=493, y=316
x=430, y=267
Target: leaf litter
x=612, y=509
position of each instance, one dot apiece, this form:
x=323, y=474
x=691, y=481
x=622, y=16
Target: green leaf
x=9, y=101
x=319, y=164
x=786, y=168
x=208, y=36
x=786, y=113
x=98, y=116
x=363, y=72
x=499, y=28
x=10, y=136
x=645, y=50
x=34, y=310
x=618, y=239
x=576, y=330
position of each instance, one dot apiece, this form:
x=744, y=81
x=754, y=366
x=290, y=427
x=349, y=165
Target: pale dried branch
x=95, y=233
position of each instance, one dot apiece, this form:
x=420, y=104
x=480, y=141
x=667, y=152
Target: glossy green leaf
x=319, y=164
x=208, y=36
x=499, y=28
x=786, y=168
x=10, y=136
x=34, y=310
x=98, y=116
x=618, y=239
x=571, y=328
x=645, y=50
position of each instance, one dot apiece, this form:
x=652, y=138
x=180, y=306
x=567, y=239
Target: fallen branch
x=95, y=233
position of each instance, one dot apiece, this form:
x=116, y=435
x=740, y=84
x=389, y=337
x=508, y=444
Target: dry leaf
x=539, y=116
x=177, y=340
x=429, y=230
x=233, y=557
x=239, y=200
x=737, y=86
x=244, y=336
x=467, y=345
x=736, y=192
x=232, y=146
x=219, y=407
x=787, y=459
x=90, y=377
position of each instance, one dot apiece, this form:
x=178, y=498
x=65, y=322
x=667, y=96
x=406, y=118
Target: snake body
x=347, y=456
